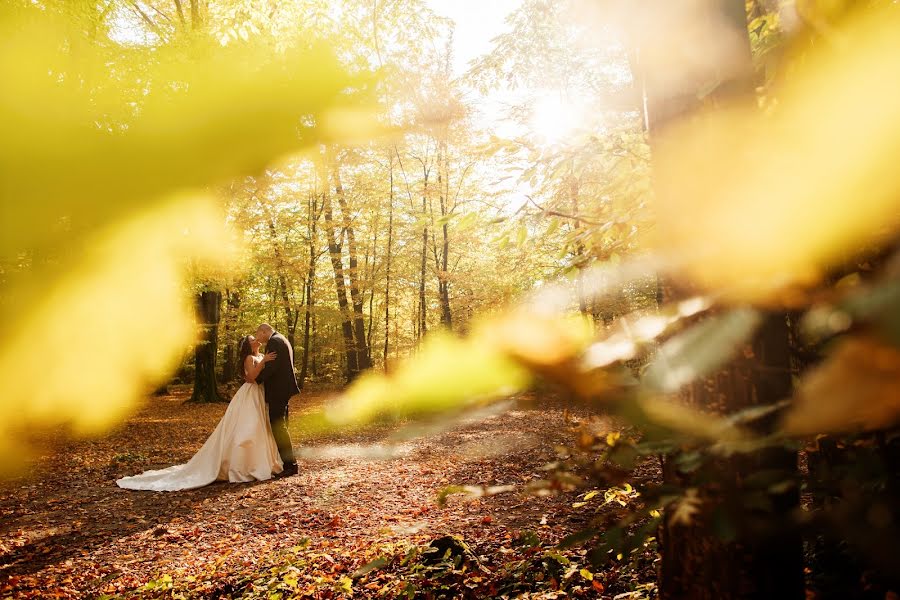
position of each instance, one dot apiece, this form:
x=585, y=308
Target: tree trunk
x=180, y=10
x=230, y=351
x=423, y=315
x=356, y=297
x=291, y=316
x=443, y=266
x=310, y=286
x=334, y=251
x=196, y=18
x=764, y=559
x=205, y=386
x=228, y=360
x=387, y=282
x=580, y=259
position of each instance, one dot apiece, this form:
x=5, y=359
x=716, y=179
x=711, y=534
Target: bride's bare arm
x=252, y=368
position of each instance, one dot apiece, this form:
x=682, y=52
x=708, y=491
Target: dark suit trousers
x=278, y=414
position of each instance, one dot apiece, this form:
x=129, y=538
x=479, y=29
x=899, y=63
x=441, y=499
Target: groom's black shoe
x=289, y=469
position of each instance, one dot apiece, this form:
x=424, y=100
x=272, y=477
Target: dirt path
x=68, y=528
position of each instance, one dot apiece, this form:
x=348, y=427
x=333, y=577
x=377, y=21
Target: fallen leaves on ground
x=353, y=522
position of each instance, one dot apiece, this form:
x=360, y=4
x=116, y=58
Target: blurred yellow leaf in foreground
x=500, y=357
x=114, y=324
x=102, y=145
x=753, y=205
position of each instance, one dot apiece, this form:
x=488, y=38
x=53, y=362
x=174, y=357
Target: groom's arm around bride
x=280, y=385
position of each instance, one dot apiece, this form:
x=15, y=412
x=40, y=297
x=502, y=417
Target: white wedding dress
x=240, y=449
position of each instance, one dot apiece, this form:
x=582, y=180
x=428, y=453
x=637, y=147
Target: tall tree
x=361, y=344
x=337, y=264
x=314, y=211
x=765, y=558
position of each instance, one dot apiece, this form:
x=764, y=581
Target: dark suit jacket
x=278, y=375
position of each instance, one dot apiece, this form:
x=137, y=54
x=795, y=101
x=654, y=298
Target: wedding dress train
x=240, y=449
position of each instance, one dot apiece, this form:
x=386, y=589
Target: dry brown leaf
x=857, y=387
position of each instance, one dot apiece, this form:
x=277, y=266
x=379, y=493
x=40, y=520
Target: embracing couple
x=251, y=442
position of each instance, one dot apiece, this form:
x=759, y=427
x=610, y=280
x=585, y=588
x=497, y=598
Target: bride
x=240, y=449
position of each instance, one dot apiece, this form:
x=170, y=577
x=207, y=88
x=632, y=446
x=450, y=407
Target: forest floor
x=354, y=522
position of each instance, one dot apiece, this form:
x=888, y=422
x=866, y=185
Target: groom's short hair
x=265, y=327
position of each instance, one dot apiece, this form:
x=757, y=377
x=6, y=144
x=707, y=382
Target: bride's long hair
x=244, y=351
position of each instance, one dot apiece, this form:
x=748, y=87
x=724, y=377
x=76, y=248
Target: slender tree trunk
x=313, y=218
x=334, y=251
x=230, y=351
x=196, y=18
x=359, y=327
x=423, y=315
x=205, y=385
x=291, y=316
x=180, y=10
x=313, y=358
x=443, y=270
x=764, y=560
x=369, y=282
x=387, y=271
x=580, y=259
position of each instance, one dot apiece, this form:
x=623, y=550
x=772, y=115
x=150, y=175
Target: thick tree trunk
x=764, y=559
x=205, y=385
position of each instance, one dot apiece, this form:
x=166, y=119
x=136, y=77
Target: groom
x=281, y=384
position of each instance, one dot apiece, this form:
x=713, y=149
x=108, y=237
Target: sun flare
x=554, y=118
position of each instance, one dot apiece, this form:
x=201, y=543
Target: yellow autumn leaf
x=537, y=339
x=104, y=148
x=95, y=322
x=754, y=205
x=448, y=373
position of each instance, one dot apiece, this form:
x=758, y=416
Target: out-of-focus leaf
x=554, y=225
x=539, y=340
x=367, y=568
x=448, y=373
x=635, y=331
x=686, y=508
x=576, y=538
x=100, y=142
x=878, y=305
x=700, y=350
x=686, y=420
x=857, y=387
x=799, y=189
x=95, y=322
x=84, y=153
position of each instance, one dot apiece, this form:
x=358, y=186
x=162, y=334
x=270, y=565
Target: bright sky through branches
x=477, y=23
